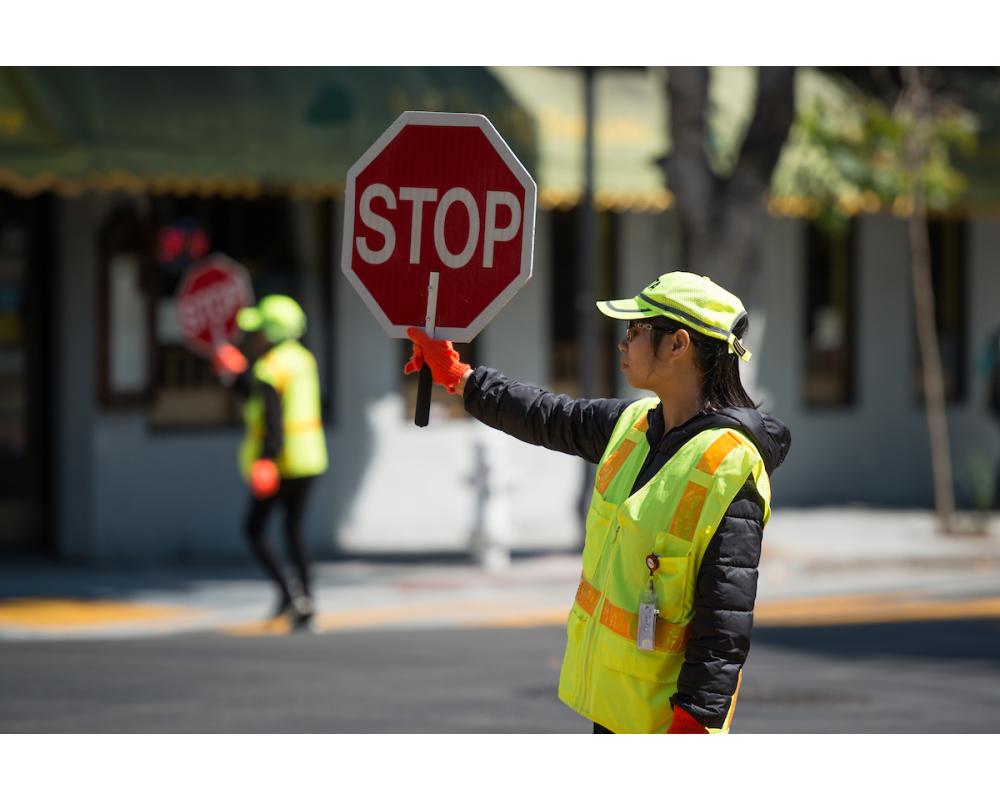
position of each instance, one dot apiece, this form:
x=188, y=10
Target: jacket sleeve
x=242, y=385
x=723, y=613
x=533, y=415
x=274, y=429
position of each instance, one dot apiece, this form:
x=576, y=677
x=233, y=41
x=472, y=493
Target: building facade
x=117, y=445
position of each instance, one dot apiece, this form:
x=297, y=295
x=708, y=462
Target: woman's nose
x=622, y=345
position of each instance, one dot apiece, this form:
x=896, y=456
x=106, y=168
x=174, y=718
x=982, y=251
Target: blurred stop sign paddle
x=439, y=228
x=209, y=296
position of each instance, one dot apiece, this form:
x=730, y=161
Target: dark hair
x=720, y=369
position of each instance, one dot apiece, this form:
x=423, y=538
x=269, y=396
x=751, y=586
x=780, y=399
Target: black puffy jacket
x=727, y=580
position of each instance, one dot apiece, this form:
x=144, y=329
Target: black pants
x=292, y=496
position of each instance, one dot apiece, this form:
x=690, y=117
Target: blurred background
x=854, y=209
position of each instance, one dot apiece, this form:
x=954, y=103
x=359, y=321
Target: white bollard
x=492, y=528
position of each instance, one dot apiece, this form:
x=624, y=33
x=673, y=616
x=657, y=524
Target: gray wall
x=75, y=374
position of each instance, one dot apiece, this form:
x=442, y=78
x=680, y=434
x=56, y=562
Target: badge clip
x=645, y=638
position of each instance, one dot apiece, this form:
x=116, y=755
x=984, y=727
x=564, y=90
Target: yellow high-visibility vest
x=291, y=370
x=605, y=676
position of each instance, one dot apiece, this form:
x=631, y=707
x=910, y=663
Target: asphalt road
x=916, y=677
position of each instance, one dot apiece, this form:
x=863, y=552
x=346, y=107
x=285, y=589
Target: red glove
x=227, y=359
x=685, y=723
x=264, y=478
x=439, y=355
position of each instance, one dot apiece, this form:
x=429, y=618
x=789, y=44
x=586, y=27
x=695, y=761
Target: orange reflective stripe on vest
x=303, y=425
x=716, y=454
x=669, y=638
x=692, y=502
x=614, y=462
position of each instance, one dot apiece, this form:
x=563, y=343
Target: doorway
x=25, y=267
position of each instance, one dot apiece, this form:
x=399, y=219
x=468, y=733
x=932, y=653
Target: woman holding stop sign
x=660, y=628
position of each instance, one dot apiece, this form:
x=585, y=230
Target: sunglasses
x=634, y=327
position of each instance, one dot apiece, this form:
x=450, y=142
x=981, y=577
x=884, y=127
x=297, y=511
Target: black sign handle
x=422, y=413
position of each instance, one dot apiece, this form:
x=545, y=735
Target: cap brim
x=625, y=309
x=248, y=319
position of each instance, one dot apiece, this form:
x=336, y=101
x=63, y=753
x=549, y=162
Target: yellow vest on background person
x=291, y=369
x=605, y=676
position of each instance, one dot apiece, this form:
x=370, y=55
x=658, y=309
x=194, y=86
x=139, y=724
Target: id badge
x=645, y=637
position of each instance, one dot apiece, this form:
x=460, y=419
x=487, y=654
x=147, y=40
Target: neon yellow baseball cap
x=688, y=298
x=277, y=316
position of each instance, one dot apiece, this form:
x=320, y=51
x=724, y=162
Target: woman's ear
x=681, y=342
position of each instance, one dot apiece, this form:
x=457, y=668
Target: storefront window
x=948, y=276
x=285, y=248
x=261, y=235
x=829, y=318
x=563, y=314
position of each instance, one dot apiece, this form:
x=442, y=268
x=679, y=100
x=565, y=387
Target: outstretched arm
x=536, y=416
x=555, y=421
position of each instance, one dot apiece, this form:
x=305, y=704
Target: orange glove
x=439, y=355
x=685, y=723
x=227, y=359
x=264, y=478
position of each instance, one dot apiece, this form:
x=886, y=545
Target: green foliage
x=977, y=479
x=848, y=155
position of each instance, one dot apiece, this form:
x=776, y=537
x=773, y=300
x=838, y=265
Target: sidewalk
x=819, y=566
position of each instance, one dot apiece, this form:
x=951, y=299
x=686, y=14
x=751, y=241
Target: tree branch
x=766, y=135
x=689, y=175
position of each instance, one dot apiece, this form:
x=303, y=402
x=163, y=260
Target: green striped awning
x=222, y=130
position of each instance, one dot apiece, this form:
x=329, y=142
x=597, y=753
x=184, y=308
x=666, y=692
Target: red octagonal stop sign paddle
x=209, y=296
x=439, y=224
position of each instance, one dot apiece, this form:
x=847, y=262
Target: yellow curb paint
x=43, y=612
x=839, y=601
x=805, y=612
x=339, y=620
x=469, y=615
x=361, y=618
x=874, y=609
x=269, y=627
x=528, y=619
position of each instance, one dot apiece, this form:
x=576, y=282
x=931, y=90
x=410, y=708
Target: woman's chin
x=628, y=379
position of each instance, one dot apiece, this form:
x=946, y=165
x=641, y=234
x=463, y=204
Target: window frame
x=124, y=232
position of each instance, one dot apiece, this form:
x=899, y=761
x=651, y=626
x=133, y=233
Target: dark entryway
x=25, y=267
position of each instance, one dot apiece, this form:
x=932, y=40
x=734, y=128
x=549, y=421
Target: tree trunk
x=916, y=100
x=721, y=217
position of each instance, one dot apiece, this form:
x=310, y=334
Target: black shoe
x=303, y=612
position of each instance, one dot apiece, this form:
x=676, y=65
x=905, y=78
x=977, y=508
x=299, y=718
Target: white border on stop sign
x=443, y=119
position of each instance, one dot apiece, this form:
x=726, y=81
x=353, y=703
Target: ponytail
x=720, y=369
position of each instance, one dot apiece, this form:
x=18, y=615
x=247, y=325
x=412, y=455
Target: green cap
x=685, y=297
x=276, y=316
